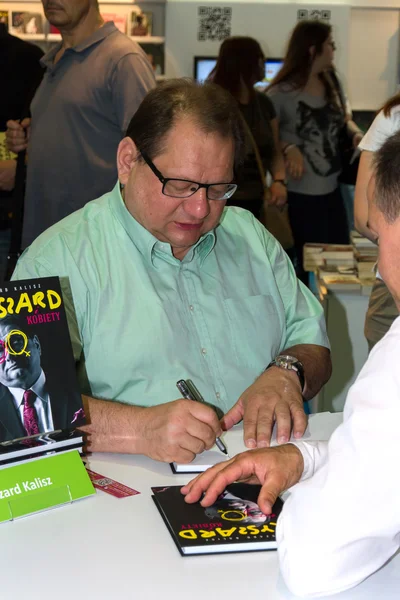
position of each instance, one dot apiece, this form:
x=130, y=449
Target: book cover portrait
x=26, y=22
x=234, y=523
x=4, y=18
x=141, y=23
x=38, y=385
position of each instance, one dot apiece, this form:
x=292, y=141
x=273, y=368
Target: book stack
x=327, y=255
x=366, y=255
x=40, y=402
x=341, y=282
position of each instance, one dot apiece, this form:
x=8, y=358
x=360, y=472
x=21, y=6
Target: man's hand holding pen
x=178, y=430
x=274, y=396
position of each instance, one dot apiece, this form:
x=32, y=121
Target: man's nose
x=198, y=205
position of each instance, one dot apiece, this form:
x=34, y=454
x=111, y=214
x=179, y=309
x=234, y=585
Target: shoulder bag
x=275, y=219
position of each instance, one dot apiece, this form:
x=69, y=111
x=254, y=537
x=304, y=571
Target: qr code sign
x=314, y=15
x=214, y=23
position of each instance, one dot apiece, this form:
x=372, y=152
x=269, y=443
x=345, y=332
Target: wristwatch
x=291, y=363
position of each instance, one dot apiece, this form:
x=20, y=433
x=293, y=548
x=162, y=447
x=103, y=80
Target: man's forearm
x=316, y=361
x=112, y=426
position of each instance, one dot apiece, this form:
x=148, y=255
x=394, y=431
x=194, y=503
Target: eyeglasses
x=183, y=188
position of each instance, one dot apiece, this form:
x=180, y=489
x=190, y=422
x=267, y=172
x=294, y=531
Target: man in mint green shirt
x=169, y=285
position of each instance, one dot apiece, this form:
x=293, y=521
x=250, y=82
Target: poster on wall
x=214, y=23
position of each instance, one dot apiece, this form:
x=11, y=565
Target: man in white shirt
x=341, y=522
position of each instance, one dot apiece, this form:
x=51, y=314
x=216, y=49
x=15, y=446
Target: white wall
x=270, y=24
x=367, y=39
x=372, y=71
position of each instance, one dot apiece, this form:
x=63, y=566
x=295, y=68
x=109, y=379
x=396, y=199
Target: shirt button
x=191, y=307
x=203, y=351
x=218, y=395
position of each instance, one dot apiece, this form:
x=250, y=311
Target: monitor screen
x=203, y=65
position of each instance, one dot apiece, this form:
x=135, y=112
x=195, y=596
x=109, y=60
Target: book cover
x=155, y=54
x=118, y=20
x=141, y=23
x=234, y=523
x=4, y=18
x=39, y=390
x=26, y=22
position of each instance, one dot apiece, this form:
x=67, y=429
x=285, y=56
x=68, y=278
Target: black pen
x=190, y=392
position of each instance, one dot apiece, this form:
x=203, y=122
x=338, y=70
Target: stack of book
x=327, y=255
x=366, y=255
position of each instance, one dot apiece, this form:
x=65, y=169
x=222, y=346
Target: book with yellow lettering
x=39, y=392
x=234, y=523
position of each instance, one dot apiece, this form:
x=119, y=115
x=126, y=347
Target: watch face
x=286, y=360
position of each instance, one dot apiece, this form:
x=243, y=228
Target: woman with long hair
x=307, y=98
x=239, y=66
x=382, y=309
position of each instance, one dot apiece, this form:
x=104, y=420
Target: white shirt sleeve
x=343, y=523
x=381, y=129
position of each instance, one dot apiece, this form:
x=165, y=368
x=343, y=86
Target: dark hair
x=238, y=60
x=211, y=107
x=19, y=321
x=297, y=64
x=387, y=180
x=389, y=104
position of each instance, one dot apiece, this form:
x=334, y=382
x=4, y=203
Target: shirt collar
x=38, y=387
x=149, y=246
x=100, y=34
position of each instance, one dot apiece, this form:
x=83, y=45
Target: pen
x=190, y=392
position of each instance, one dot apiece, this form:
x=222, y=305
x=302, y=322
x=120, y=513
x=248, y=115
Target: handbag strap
x=334, y=83
x=256, y=154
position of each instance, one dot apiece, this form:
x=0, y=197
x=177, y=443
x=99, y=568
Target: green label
x=43, y=483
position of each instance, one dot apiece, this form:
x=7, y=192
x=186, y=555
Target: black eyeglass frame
x=165, y=180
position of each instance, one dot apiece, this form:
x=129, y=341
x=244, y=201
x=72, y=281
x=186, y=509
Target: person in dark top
x=239, y=66
x=21, y=73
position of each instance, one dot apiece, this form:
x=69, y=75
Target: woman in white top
x=381, y=310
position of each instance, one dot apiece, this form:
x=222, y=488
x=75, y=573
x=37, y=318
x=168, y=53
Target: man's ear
x=312, y=52
x=126, y=156
x=37, y=343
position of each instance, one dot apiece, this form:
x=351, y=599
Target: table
x=106, y=548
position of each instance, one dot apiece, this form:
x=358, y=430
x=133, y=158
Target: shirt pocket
x=256, y=329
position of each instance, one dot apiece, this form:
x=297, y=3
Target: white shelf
x=53, y=37
x=31, y=36
x=147, y=39
x=56, y=37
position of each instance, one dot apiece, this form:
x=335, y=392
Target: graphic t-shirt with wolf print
x=313, y=125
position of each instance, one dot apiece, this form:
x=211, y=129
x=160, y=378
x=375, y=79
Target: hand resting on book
x=276, y=469
x=274, y=396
